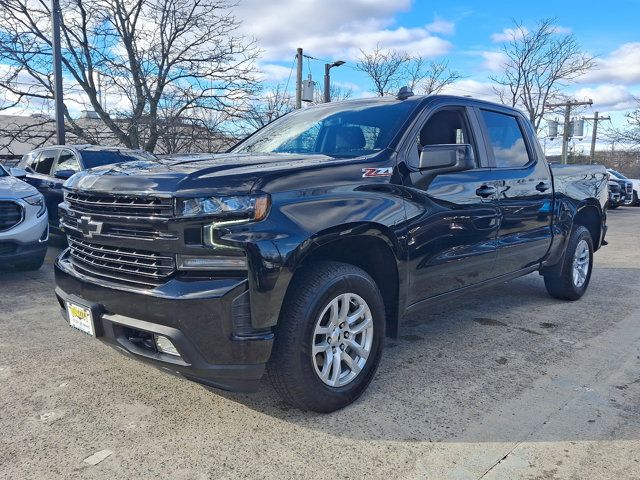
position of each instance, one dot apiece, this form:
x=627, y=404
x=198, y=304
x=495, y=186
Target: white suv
x=24, y=229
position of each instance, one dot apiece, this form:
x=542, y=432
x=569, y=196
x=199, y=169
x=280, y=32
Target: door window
x=30, y=161
x=67, y=161
x=45, y=162
x=445, y=127
x=506, y=140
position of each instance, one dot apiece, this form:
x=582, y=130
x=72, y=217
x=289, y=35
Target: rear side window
x=67, y=161
x=45, y=162
x=506, y=140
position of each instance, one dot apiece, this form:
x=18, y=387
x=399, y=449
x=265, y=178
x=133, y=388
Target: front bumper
x=197, y=315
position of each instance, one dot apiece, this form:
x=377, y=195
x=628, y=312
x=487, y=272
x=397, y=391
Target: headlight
x=37, y=201
x=250, y=207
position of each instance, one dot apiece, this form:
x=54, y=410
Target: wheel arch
x=589, y=214
x=372, y=247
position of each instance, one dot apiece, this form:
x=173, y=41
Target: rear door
x=453, y=217
x=525, y=189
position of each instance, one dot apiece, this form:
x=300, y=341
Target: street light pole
x=57, y=71
x=327, y=79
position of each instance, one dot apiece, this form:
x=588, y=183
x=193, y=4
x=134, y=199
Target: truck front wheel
x=329, y=338
x=576, y=270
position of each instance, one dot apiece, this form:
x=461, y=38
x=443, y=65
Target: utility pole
x=299, y=79
x=596, y=118
x=567, y=120
x=57, y=71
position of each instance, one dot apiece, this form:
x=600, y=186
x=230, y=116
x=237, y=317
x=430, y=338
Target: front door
x=38, y=170
x=66, y=163
x=452, y=218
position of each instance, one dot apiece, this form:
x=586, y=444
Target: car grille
x=125, y=205
x=10, y=214
x=7, y=248
x=115, y=229
x=124, y=265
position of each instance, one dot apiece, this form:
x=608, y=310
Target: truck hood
x=13, y=188
x=227, y=173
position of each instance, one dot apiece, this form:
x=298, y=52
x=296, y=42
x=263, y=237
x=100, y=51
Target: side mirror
x=18, y=172
x=436, y=159
x=64, y=174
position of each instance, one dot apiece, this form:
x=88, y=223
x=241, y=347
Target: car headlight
x=249, y=207
x=37, y=201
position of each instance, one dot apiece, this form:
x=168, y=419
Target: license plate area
x=81, y=318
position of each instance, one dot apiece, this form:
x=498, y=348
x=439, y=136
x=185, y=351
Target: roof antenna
x=404, y=93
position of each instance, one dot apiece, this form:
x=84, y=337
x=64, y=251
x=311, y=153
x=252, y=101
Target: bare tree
x=384, y=68
x=336, y=93
x=537, y=65
x=429, y=77
x=273, y=104
x=391, y=69
x=629, y=135
x=139, y=64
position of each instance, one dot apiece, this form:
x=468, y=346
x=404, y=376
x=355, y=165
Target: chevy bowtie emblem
x=377, y=172
x=89, y=227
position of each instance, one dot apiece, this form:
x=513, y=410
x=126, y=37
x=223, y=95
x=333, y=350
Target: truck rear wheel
x=576, y=270
x=329, y=339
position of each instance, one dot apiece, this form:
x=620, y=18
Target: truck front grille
x=10, y=214
x=125, y=205
x=119, y=264
x=114, y=228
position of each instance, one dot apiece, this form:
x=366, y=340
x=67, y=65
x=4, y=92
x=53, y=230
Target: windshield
x=617, y=174
x=97, y=158
x=338, y=130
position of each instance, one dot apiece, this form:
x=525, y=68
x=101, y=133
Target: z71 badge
x=377, y=172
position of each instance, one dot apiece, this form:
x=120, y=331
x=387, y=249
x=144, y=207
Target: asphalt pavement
x=505, y=383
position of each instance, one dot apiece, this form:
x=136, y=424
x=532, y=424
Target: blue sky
x=465, y=33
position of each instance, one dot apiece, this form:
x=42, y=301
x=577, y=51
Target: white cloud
x=472, y=88
x=272, y=72
x=337, y=29
x=621, y=66
x=509, y=34
x=493, y=61
x=608, y=97
x=442, y=26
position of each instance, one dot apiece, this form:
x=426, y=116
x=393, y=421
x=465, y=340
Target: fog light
x=164, y=345
x=213, y=262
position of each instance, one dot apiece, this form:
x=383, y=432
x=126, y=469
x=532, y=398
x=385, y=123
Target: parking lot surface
x=505, y=383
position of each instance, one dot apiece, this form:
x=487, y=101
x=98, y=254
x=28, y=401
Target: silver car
x=24, y=230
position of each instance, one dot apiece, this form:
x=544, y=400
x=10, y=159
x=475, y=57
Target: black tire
x=613, y=206
x=563, y=286
x=636, y=201
x=291, y=367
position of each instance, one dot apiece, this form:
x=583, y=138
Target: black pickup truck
x=301, y=248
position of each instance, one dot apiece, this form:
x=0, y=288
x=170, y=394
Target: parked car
x=49, y=167
x=304, y=246
x=634, y=197
x=626, y=190
x=616, y=197
x=23, y=224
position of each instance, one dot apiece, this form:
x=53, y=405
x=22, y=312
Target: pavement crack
x=500, y=461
